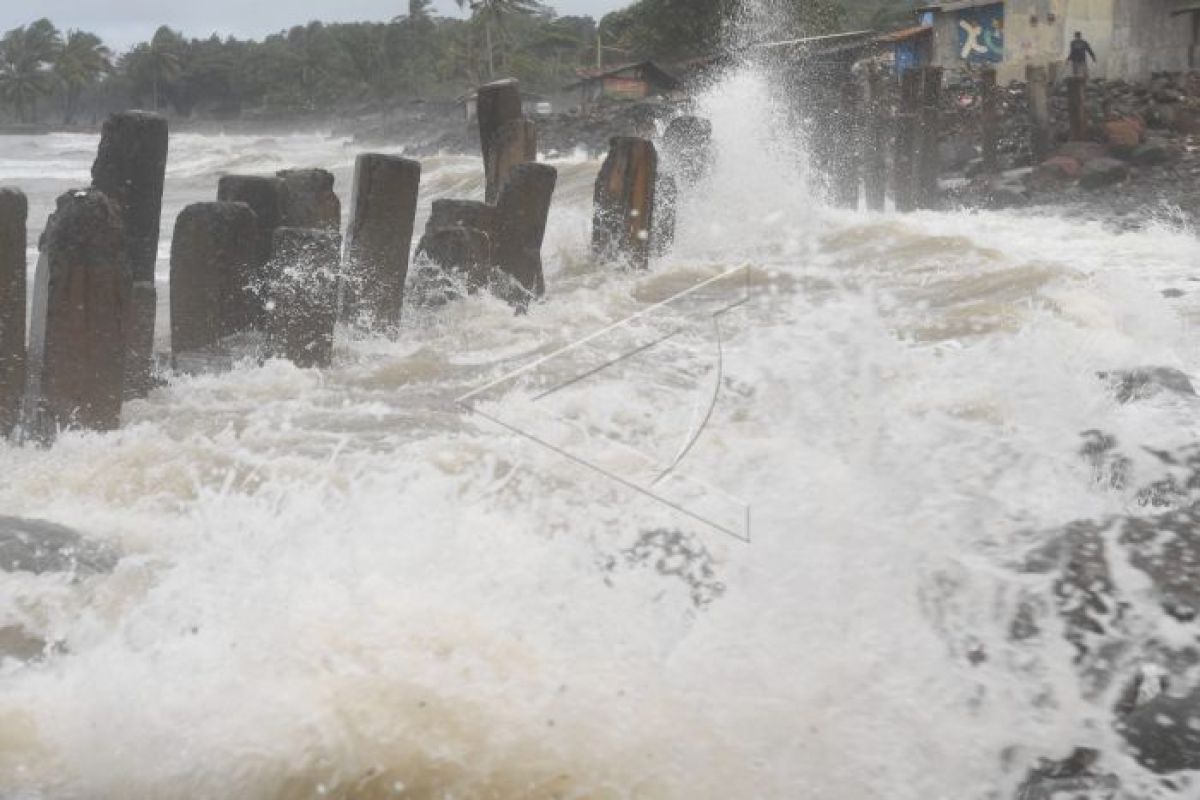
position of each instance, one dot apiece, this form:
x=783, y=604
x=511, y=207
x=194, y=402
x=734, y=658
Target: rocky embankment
x=1141, y=158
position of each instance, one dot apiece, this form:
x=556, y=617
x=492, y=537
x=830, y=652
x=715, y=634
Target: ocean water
x=347, y=583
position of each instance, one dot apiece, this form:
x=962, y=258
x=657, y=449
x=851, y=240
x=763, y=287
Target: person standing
x=1077, y=58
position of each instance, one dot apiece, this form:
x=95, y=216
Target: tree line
x=52, y=75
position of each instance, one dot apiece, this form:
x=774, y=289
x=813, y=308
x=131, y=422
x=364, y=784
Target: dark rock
x=28, y=545
x=1143, y=382
x=1101, y=173
x=1152, y=153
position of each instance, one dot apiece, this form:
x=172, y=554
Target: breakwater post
x=875, y=141
x=81, y=316
x=266, y=197
x=623, y=215
x=301, y=308
x=521, y=212
x=213, y=252
x=14, y=213
x=907, y=127
x=382, y=214
x=1036, y=86
x=130, y=168
x=309, y=200
x=931, y=117
x=506, y=137
x=989, y=119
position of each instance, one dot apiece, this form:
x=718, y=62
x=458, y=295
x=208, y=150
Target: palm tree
x=493, y=13
x=24, y=54
x=79, y=63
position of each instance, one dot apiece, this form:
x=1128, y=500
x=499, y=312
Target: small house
x=627, y=82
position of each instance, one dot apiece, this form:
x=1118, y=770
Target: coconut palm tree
x=493, y=13
x=24, y=77
x=78, y=64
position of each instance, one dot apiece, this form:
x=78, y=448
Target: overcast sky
x=123, y=22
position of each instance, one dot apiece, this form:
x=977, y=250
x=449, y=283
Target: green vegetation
x=319, y=68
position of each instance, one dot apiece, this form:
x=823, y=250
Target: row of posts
x=265, y=261
x=852, y=141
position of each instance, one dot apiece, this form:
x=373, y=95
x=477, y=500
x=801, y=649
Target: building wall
x=1146, y=38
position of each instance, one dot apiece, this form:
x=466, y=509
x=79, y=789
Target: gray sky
x=123, y=22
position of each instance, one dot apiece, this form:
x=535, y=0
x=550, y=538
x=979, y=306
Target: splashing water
x=341, y=584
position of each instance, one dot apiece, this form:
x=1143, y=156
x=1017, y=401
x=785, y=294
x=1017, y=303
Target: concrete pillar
x=266, y=197
x=623, y=216
x=514, y=143
x=460, y=239
x=907, y=127
x=521, y=212
x=666, y=202
x=309, y=200
x=81, y=315
x=130, y=168
x=497, y=104
x=931, y=118
x=212, y=254
x=875, y=141
x=379, y=237
x=989, y=118
x=1077, y=108
x=302, y=296
x=1036, y=85
x=14, y=212
x=687, y=146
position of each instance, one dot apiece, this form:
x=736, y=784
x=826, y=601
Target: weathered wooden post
x=521, y=212
x=666, y=203
x=1077, y=108
x=989, y=100
x=130, y=168
x=875, y=141
x=907, y=126
x=1039, y=110
x=844, y=134
x=266, y=197
x=14, y=212
x=80, y=316
x=505, y=136
x=931, y=116
x=309, y=200
x=212, y=253
x=382, y=215
x=302, y=299
x=623, y=217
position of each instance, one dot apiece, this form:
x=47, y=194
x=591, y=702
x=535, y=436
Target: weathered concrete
x=302, y=295
x=309, y=200
x=130, y=168
x=14, y=212
x=1036, y=88
x=514, y=143
x=212, y=255
x=380, y=235
x=497, y=105
x=521, y=212
x=989, y=119
x=266, y=196
x=623, y=217
x=81, y=315
x=461, y=259
x=907, y=128
x=931, y=102
x=687, y=147
x=875, y=140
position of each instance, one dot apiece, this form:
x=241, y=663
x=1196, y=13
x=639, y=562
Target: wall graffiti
x=981, y=34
